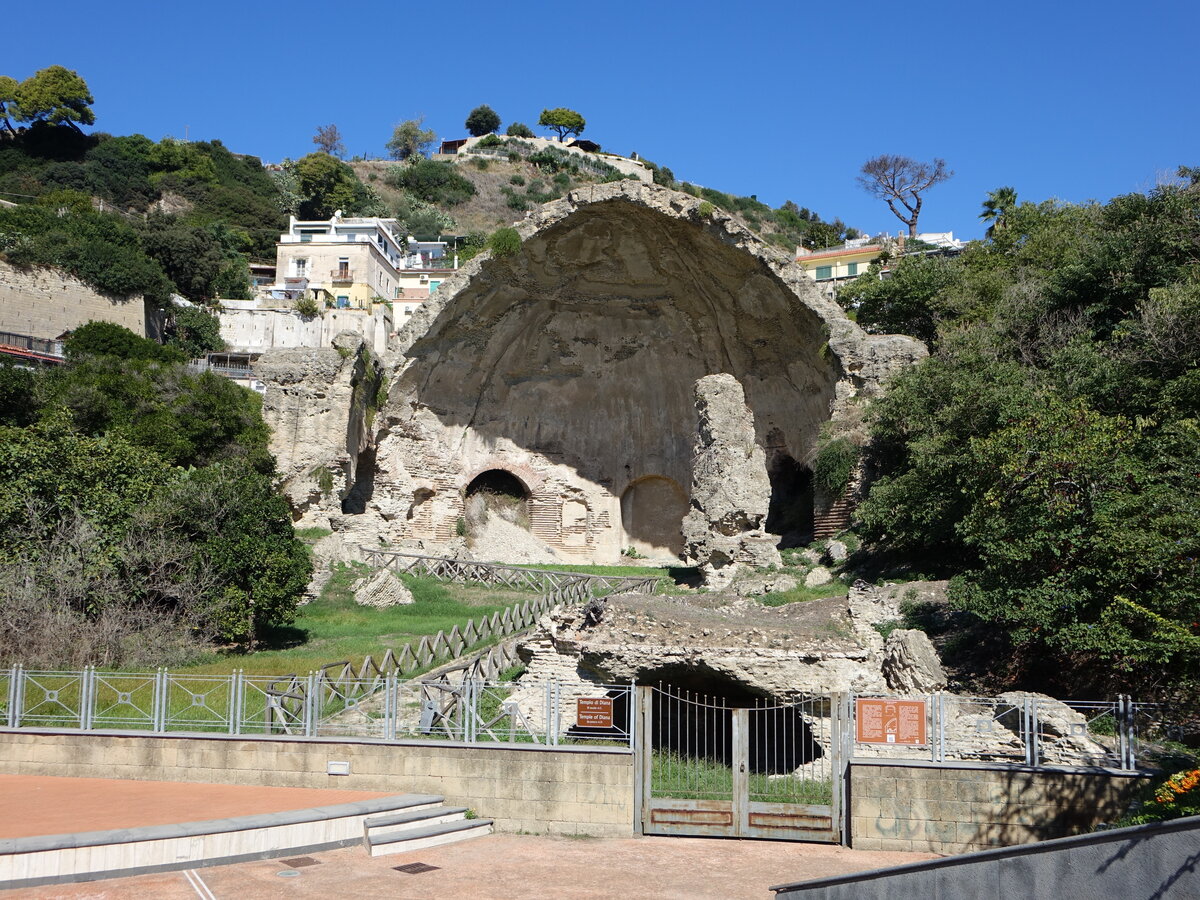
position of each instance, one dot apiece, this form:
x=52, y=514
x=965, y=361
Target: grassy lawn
x=681, y=778
x=334, y=627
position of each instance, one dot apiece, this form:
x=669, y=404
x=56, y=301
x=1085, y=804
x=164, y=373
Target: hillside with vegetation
x=1047, y=454
x=140, y=522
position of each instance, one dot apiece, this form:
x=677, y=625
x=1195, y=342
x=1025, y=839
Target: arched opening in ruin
x=499, y=492
x=693, y=716
x=363, y=489
x=652, y=511
x=578, y=356
x=790, y=514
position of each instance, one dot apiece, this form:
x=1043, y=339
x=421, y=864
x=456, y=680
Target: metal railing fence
x=382, y=707
x=1023, y=729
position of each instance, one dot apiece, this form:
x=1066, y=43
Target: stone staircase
x=425, y=822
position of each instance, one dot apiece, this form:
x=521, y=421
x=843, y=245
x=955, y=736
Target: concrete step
x=427, y=836
x=394, y=825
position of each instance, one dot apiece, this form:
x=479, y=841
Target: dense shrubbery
x=433, y=182
x=139, y=516
x=1049, y=449
x=99, y=249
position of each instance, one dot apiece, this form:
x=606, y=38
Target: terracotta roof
x=842, y=251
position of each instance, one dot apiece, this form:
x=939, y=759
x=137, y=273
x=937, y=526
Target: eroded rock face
x=570, y=365
x=798, y=648
x=910, y=664
x=731, y=492
x=316, y=404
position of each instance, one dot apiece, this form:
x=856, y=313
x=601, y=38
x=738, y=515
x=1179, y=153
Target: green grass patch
x=677, y=777
x=801, y=594
x=334, y=627
x=313, y=533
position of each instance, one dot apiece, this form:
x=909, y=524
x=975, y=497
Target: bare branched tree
x=900, y=180
x=329, y=140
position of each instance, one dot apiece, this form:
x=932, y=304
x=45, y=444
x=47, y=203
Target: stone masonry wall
x=536, y=791
x=46, y=302
x=947, y=809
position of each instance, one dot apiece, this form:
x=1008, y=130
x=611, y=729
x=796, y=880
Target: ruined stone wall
x=571, y=365
x=46, y=302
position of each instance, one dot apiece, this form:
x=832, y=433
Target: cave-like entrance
x=720, y=759
x=499, y=492
x=790, y=514
x=652, y=511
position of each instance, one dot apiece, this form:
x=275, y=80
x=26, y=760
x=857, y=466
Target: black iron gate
x=774, y=770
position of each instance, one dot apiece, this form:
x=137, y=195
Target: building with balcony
x=352, y=263
x=835, y=265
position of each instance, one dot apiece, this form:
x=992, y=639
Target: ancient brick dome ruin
x=563, y=376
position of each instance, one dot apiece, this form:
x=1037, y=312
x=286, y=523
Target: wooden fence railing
x=344, y=680
x=469, y=572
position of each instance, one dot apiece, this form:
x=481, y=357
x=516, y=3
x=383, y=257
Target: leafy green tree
x=8, y=102
x=243, y=529
x=16, y=394
x=905, y=303
x=901, y=180
x=520, y=130
x=110, y=339
x=325, y=185
x=996, y=208
x=56, y=96
x=196, y=332
x=411, y=139
x=191, y=257
x=482, y=120
x=563, y=122
x=1088, y=532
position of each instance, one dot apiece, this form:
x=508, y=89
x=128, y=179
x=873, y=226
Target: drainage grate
x=300, y=862
x=416, y=868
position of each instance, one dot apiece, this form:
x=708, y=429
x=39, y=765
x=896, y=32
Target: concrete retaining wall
x=46, y=302
x=1159, y=861
x=948, y=808
x=258, y=330
x=563, y=791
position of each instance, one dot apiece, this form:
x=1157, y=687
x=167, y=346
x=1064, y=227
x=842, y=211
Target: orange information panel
x=594, y=712
x=887, y=721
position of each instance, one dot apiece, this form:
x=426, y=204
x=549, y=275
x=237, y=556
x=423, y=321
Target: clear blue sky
x=780, y=99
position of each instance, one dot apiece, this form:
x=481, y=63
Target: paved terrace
x=499, y=866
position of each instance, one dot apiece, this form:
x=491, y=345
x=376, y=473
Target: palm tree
x=996, y=208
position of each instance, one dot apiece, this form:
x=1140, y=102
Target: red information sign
x=594, y=712
x=887, y=721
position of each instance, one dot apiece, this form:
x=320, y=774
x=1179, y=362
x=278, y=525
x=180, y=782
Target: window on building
x=824, y=273
x=301, y=268
x=343, y=301
x=852, y=269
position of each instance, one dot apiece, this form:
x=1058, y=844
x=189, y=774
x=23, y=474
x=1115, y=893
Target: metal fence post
x=87, y=690
x=389, y=706
x=310, y=706
x=15, y=698
x=237, y=701
x=159, y=701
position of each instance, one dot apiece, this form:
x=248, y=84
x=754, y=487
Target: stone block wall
x=568, y=791
x=46, y=302
x=956, y=809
